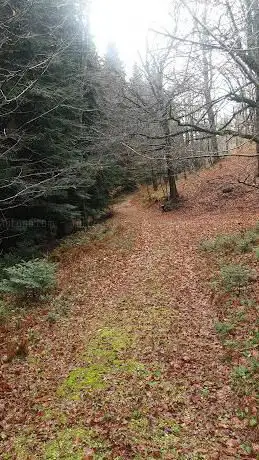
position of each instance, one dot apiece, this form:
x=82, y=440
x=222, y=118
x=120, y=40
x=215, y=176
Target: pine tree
x=48, y=108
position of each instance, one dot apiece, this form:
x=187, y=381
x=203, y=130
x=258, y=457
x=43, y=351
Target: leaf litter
x=131, y=366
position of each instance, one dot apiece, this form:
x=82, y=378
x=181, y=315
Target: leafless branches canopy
x=197, y=89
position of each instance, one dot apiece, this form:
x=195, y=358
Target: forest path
x=136, y=364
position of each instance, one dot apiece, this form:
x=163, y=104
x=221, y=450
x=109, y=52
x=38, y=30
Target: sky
x=126, y=23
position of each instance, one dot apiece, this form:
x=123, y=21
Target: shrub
x=231, y=243
x=240, y=372
x=257, y=252
x=224, y=328
x=235, y=276
x=29, y=278
x=246, y=243
x=8, y=260
x=220, y=243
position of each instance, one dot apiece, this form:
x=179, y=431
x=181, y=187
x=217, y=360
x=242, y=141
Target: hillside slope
x=217, y=189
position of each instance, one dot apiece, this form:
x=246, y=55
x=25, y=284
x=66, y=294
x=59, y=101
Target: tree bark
x=154, y=178
x=173, y=193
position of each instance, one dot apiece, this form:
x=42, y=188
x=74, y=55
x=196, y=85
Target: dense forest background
x=56, y=170
x=75, y=130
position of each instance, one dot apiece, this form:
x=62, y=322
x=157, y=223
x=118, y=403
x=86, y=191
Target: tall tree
x=50, y=162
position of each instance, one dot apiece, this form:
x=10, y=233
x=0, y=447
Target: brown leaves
x=149, y=279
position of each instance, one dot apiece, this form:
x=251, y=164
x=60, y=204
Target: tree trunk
x=154, y=178
x=173, y=193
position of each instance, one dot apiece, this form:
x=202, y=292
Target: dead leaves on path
x=165, y=389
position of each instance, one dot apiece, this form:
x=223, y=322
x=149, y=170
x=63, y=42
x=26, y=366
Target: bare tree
x=228, y=38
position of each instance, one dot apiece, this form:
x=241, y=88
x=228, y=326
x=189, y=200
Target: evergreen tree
x=50, y=165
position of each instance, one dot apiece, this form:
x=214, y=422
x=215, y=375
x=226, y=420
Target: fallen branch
x=248, y=184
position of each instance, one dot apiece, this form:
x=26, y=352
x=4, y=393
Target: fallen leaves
x=144, y=277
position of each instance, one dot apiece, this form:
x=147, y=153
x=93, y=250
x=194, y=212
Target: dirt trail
x=147, y=283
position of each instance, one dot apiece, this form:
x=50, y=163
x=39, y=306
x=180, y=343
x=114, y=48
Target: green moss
x=109, y=340
x=70, y=444
x=107, y=345
x=23, y=446
x=20, y=448
x=161, y=434
x=103, y=355
x=56, y=415
x=83, y=379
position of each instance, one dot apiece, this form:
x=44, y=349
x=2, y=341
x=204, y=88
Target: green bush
x=220, y=243
x=246, y=243
x=235, y=276
x=237, y=242
x=257, y=252
x=243, y=246
x=224, y=328
x=29, y=278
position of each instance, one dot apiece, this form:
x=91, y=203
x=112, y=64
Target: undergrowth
x=31, y=278
x=112, y=380
x=234, y=277
x=241, y=242
x=238, y=324
x=86, y=236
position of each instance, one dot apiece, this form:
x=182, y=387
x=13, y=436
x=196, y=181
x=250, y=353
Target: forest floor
x=125, y=362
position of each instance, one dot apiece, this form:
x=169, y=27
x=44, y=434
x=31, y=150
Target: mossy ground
x=103, y=363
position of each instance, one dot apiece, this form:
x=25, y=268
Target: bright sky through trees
x=126, y=23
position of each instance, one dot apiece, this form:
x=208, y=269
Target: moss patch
x=73, y=443
x=155, y=435
x=107, y=345
x=103, y=356
x=83, y=378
